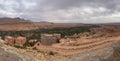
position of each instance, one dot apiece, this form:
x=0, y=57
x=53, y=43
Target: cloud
x=86, y=11
x=76, y=14
x=15, y=8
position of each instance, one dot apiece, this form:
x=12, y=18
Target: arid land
x=100, y=43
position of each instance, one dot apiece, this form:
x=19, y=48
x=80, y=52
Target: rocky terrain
x=108, y=53
x=8, y=53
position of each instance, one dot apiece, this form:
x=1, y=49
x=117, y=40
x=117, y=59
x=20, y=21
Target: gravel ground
x=101, y=54
x=116, y=54
x=111, y=53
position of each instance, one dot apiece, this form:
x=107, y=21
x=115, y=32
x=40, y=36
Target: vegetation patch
x=34, y=48
x=51, y=53
x=35, y=34
x=21, y=47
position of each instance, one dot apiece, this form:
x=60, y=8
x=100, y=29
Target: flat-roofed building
x=20, y=40
x=49, y=39
x=10, y=40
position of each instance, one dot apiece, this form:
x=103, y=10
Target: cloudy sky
x=78, y=11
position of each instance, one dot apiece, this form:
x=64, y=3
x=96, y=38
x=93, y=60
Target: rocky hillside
x=8, y=53
x=12, y=20
x=7, y=24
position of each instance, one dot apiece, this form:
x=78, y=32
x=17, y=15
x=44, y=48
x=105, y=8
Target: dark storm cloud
x=62, y=10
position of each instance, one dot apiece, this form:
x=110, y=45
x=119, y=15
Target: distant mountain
x=12, y=20
x=44, y=22
x=7, y=24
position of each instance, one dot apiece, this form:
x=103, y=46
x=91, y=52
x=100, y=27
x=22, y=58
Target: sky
x=62, y=11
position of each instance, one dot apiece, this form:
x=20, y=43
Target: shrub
x=7, y=43
x=34, y=48
x=51, y=53
x=40, y=51
x=21, y=47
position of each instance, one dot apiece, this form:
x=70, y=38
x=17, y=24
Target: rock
x=6, y=56
x=11, y=55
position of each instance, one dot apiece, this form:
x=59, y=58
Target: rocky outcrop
x=8, y=53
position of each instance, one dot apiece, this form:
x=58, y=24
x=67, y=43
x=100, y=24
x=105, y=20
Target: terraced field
x=92, y=44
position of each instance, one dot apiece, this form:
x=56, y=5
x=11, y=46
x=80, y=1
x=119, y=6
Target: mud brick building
x=49, y=39
x=20, y=40
x=9, y=39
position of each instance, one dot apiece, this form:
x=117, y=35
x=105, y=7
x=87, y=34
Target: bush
x=40, y=51
x=21, y=47
x=51, y=53
x=7, y=43
x=34, y=48
x=29, y=43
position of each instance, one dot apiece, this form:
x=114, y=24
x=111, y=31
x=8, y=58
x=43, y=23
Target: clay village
x=57, y=44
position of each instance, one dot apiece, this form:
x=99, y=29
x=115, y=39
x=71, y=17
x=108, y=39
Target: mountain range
x=9, y=24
